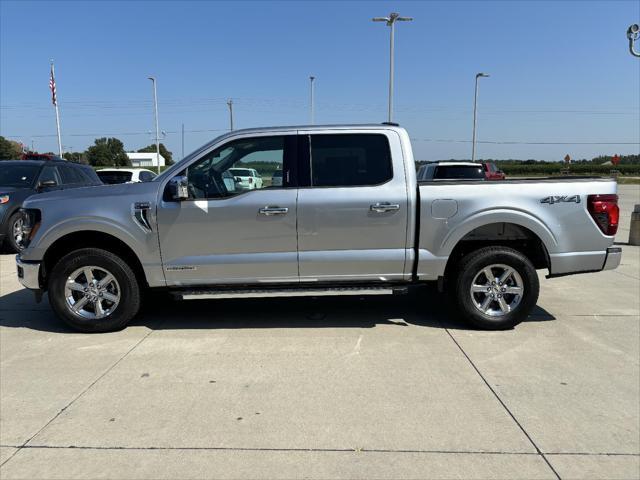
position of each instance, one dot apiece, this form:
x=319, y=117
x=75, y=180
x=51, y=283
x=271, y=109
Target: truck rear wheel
x=93, y=290
x=496, y=288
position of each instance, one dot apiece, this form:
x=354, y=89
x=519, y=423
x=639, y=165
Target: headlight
x=30, y=224
x=4, y=199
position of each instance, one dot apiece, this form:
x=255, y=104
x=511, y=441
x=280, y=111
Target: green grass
x=629, y=181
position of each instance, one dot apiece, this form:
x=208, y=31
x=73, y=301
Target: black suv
x=20, y=179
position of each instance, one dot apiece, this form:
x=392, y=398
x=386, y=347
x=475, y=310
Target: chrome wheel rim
x=17, y=232
x=497, y=290
x=92, y=292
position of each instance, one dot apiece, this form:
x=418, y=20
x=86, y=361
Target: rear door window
x=71, y=175
x=90, y=176
x=349, y=160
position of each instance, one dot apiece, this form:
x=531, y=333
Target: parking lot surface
x=330, y=387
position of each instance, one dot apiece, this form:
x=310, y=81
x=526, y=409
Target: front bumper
x=613, y=258
x=28, y=273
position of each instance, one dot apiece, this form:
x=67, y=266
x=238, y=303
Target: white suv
x=246, y=178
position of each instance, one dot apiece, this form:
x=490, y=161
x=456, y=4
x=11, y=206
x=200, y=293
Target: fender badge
x=561, y=199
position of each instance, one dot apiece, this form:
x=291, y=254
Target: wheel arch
x=507, y=234
x=94, y=239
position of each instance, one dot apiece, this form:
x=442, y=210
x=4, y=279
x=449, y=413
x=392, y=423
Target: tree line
x=110, y=152
x=105, y=152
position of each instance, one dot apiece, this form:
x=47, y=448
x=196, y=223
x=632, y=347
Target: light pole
x=391, y=22
x=311, y=79
x=155, y=109
x=475, y=109
x=633, y=32
x=230, y=105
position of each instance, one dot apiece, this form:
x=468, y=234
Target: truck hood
x=101, y=193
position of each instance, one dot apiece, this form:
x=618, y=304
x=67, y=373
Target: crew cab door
x=352, y=206
x=223, y=233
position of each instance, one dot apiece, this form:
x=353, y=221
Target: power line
x=432, y=140
x=519, y=142
x=118, y=134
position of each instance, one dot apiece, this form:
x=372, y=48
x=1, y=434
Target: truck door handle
x=273, y=210
x=382, y=207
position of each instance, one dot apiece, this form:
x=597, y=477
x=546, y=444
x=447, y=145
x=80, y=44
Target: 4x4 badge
x=559, y=199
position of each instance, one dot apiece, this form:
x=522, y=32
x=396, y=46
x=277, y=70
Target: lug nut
x=499, y=295
x=503, y=289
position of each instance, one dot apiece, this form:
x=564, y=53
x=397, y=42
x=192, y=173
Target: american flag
x=52, y=86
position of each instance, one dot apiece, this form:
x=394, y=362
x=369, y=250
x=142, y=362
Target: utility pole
x=183, y=140
x=155, y=104
x=312, y=78
x=475, y=108
x=391, y=22
x=230, y=105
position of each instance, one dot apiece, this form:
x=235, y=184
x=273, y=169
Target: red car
x=491, y=172
x=39, y=156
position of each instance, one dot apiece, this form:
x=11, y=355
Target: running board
x=290, y=292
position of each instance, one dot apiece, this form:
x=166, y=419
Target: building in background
x=145, y=159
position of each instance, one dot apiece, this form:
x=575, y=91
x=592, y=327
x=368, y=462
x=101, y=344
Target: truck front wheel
x=94, y=290
x=496, y=288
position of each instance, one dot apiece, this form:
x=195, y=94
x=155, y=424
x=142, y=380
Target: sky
x=562, y=80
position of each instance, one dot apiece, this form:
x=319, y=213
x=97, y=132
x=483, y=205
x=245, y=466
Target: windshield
x=20, y=176
x=114, y=177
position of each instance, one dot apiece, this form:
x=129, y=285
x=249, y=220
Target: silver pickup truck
x=339, y=212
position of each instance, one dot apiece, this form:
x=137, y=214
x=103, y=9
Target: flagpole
x=55, y=104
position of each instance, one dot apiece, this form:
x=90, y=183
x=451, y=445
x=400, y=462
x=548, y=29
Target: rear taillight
x=604, y=210
x=250, y=180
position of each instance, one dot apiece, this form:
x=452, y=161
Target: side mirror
x=47, y=184
x=179, y=188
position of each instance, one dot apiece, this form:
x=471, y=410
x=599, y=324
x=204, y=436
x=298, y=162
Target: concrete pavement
x=329, y=388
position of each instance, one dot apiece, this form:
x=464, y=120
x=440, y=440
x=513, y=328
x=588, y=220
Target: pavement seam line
x=151, y=330
x=273, y=449
x=495, y=394
x=318, y=450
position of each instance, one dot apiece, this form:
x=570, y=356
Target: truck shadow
x=423, y=307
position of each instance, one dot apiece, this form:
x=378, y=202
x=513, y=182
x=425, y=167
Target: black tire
x=129, y=290
x=10, y=241
x=472, y=264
